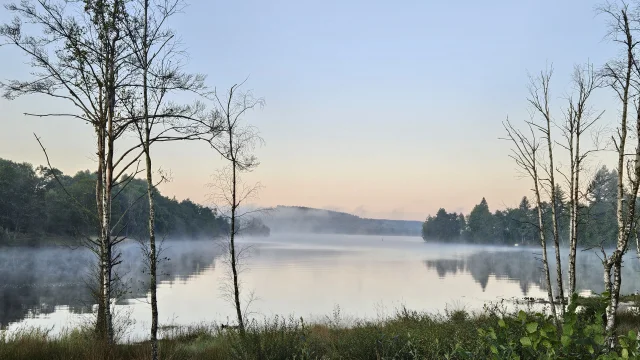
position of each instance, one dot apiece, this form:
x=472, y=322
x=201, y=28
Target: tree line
x=518, y=225
x=36, y=206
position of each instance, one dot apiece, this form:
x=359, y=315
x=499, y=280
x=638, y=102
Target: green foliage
x=480, y=223
x=536, y=336
x=443, y=226
x=519, y=225
x=35, y=205
x=21, y=193
x=601, y=211
x=481, y=226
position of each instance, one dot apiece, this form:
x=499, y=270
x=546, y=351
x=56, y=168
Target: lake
x=313, y=276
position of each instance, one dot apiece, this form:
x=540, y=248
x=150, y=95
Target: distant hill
x=297, y=219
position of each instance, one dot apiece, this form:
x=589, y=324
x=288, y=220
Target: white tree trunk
x=153, y=259
x=106, y=243
x=543, y=244
x=554, y=218
x=573, y=221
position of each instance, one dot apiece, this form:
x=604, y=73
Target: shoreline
x=453, y=334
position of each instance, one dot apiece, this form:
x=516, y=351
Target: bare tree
x=236, y=146
x=539, y=93
x=621, y=75
x=158, y=61
x=80, y=57
x=579, y=118
x=525, y=152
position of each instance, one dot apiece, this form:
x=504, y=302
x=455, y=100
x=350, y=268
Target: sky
x=378, y=108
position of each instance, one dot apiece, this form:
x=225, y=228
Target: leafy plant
x=537, y=336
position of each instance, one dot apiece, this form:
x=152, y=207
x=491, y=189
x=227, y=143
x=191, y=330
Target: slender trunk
x=106, y=234
x=573, y=247
x=153, y=255
x=101, y=321
x=572, y=212
x=103, y=196
x=575, y=205
x=615, y=298
x=554, y=218
x=105, y=253
x=236, y=289
x=108, y=179
x=543, y=243
x=615, y=260
x=606, y=264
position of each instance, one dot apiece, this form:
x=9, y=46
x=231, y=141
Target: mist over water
x=38, y=282
x=301, y=275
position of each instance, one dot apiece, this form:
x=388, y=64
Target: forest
x=519, y=225
x=36, y=207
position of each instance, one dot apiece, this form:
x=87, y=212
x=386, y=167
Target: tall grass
x=406, y=335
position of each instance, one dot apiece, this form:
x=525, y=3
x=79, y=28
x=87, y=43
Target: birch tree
x=621, y=75
x=539, y=94
x=80, y=57
x=524, y=152
x=579, y=118
x=158, y=60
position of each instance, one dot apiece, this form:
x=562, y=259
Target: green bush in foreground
x=492, y=334
x=580, y=336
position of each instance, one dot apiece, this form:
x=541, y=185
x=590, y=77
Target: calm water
x=307, y=275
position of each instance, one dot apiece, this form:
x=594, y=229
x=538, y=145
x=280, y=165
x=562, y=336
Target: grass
x=407, y=335
x=433, y=336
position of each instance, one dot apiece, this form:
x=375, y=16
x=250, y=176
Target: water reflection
x=34, y=282
x=290, y=274
x=525, y=267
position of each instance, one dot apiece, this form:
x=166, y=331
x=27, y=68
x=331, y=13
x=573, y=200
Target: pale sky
x=380, y=108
